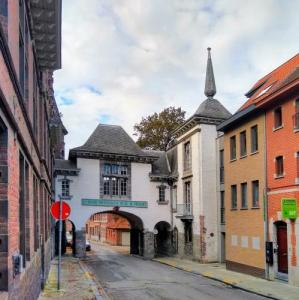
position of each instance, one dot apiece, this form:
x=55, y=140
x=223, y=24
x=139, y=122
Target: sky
x=125, y=59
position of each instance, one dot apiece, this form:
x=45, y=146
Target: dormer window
x=265, y=90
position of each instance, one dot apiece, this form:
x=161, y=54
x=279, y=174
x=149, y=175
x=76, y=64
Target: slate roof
x=278, y=78
x=110, y=139
x=63, y=164
x=172, y=156
x=212, y=108
x=160, y=166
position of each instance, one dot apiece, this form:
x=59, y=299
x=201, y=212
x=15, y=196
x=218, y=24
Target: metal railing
x=184, y=209
x=296, y=120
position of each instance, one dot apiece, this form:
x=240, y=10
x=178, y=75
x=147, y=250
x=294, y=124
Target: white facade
x=86, y=185
x=202, y=177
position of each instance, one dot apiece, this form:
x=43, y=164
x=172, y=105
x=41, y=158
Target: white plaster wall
x=209, y=188
x=87, y=185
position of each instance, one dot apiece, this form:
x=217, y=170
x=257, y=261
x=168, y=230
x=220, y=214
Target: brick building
x=273, y=105
x=109, y=228
x=244, y=173
x=30, y=52
x=277, y=94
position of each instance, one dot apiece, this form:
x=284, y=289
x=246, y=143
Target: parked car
x=88, y=247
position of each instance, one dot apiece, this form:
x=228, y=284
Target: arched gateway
x=110, y=173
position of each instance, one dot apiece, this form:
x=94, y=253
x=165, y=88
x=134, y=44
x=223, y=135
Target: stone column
x=80, y=244
x=149, y=246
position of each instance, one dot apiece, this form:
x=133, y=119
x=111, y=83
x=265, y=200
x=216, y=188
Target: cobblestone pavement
x=76, y=284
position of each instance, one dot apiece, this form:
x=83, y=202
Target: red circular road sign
x=66, y=210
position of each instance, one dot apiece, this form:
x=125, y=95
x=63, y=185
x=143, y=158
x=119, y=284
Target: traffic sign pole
x=59, y=243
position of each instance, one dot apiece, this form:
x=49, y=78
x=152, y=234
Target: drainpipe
x=171, y=203
x=266, y=217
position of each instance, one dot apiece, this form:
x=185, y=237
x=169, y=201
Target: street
x=127, y=277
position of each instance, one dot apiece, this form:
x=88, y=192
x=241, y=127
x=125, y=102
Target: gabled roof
x=280, y=81
x=272, y=82
x=110, y=140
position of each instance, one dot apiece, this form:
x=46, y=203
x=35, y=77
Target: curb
x=227, y=282
x=92, y=282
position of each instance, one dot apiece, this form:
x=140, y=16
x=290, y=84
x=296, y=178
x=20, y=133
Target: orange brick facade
x=245, y=226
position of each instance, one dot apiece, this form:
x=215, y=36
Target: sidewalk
x=216, y=271
x=76, y=282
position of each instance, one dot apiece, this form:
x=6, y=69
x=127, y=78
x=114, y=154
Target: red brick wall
x=285, y=142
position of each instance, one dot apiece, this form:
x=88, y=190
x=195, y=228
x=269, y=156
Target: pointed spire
x=210, y=87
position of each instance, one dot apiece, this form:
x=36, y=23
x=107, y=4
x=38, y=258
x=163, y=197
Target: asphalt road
x=128, y=277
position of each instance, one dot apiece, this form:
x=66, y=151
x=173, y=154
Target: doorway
x=282, y=247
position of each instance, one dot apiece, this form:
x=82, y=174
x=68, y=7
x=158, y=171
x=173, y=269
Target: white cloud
x=126, y=59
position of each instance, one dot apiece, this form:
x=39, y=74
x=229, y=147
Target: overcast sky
x=122, y=60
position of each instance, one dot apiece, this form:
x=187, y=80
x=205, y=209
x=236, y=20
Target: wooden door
x=282, y=251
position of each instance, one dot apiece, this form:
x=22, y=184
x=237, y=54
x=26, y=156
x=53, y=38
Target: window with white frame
x=65, y=188
x=162, y=193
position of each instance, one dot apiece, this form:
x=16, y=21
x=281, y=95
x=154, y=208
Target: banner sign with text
x=113, y=203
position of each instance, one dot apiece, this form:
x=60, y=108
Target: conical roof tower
x=210, y=111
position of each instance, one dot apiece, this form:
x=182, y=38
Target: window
x=255, y=193
x=222, y=207
x=187, y=156
x=124, y=170
x=107, y=169
x=279, y=166
x=188, y=200
x=234, y=196
x=221, y=163
x=114, y=186
x=277, y=118
x=123, y=187
x=296, y=115
x=106, y=186
x=114, y=169
x=233, y=153
x=244, y=195
x=162, y=193
x=174, y=197
x=243, y=147
x=254, y=139
x=65, y=188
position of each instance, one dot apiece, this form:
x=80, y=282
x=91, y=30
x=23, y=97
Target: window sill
x=162, y=202
x=278, y=176
x=255, y=207
x=244, y=208
x=233, y=209
x=255, y=152
x=296, y=130
x=297, y=180
x=277, y=128
x=243, y=156
x=232, y=160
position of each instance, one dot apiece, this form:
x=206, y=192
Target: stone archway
x=136, y=232
x=163, y=239
x=68, y=227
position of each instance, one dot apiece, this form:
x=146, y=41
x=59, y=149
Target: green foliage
x=156, y=131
